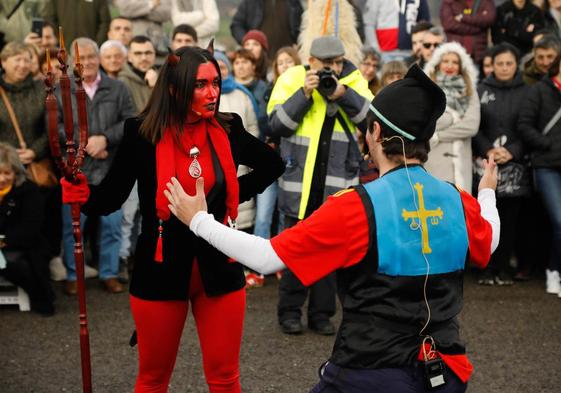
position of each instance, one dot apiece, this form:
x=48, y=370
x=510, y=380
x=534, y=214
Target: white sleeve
x=252, y=251
x=489, y=212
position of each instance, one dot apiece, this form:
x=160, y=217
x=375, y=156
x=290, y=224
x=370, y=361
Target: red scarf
x=167, y=163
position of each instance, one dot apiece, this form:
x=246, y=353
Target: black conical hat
x=410, y=106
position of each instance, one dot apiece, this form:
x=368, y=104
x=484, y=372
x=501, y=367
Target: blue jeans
x=109, y=243
x=265, y=209
x=548, y=184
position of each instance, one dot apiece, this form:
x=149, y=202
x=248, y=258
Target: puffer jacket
x=500, y=108
x=544, y=100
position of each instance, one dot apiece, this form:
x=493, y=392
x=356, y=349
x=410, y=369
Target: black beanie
x=412, y=105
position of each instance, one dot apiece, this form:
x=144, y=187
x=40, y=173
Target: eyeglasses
x=428, y=45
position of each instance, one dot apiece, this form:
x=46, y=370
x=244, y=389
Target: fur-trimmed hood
x=468, y=67
x=312, y=23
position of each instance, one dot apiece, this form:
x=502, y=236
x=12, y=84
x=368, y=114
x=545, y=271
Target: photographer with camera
x=315, y=111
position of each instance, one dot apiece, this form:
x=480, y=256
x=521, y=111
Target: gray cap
x=327, y=47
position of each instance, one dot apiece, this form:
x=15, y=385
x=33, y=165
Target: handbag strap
x=13, y=117
x=552, y=122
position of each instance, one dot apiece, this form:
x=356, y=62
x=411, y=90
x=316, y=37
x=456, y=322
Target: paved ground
x=513, y=337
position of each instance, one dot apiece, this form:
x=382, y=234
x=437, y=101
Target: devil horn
x=210, y=46
x=173, y=59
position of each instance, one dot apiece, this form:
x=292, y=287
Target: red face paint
x=207, y=90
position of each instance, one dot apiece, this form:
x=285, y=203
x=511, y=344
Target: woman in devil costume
x=181, y=134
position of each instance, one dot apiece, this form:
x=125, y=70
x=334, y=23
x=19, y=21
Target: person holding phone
x=43, y=35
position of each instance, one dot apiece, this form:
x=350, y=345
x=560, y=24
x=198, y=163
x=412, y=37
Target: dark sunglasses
x=428, y=45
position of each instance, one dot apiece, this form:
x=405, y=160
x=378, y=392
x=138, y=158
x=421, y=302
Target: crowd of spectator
x=498, y=63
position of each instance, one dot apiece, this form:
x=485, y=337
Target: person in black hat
x=398, y=244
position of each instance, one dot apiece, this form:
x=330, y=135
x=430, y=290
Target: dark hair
x=420, y=26
x=140, y=39
x=170, y=101
x=244, y=54
x=52, y=26
x=185, y=29
x=120, y=17
x=53, y=52
x=505, y=47
x=369, y=52
x=261, y=63
x=549, y=42
x=393, y=148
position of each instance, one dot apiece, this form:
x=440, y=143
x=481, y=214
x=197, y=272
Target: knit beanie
x=258, y=36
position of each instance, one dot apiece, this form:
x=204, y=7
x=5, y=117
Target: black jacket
x=136, y=161
x=500, y=108
x=544, y=100
x=21, y=218
x=511, y=25
x=249, y=16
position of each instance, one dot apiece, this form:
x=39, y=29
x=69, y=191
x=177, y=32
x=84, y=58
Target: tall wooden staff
x=70, y=168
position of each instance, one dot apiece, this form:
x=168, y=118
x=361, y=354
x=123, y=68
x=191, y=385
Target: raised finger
x=170, y=197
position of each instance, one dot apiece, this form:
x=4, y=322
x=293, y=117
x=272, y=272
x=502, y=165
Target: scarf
x=5, y=192
x=455, y=89
x=229, y=84
x=166, y=168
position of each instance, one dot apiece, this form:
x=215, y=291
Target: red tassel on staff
x=159, y=256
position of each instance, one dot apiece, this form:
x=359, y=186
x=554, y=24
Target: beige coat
x=201, y=14
x=450, y=157
x=238, y=102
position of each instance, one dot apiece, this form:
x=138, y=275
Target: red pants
x=219, y=323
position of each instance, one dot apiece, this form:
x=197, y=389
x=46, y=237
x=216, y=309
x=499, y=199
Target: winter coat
x=410, y=12
x=19, y=25
x=82, y=18
x=28, y=100
x=201, y=14
x=471, y=31
x=500, y=109
x=249, y=16
x=239, y=103
x=107, y=113
x=450, y=157
x=169, y=280
x=531, y=73
x=148, y=21
x=381, y=24
x=138, y=88
x=21, y=218
x=511, y=25
x=544, y=100
x=551, y=23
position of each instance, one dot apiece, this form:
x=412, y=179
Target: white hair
x=113, y=44
x=83, y=41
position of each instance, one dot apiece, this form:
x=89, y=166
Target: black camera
x=327, y=81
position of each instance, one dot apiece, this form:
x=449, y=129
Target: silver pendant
x=195, y=169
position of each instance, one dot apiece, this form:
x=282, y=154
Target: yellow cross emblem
x=422, y=214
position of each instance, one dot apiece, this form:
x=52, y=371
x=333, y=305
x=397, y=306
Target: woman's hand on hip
x=184, y=206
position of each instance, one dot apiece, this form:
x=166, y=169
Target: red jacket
x=471, y=31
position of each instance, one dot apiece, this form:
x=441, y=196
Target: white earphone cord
x=433, y=346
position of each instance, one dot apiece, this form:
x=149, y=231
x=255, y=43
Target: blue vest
x=382, y=296
x=437, y=230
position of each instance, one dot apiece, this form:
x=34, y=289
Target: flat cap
x=327, y=47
